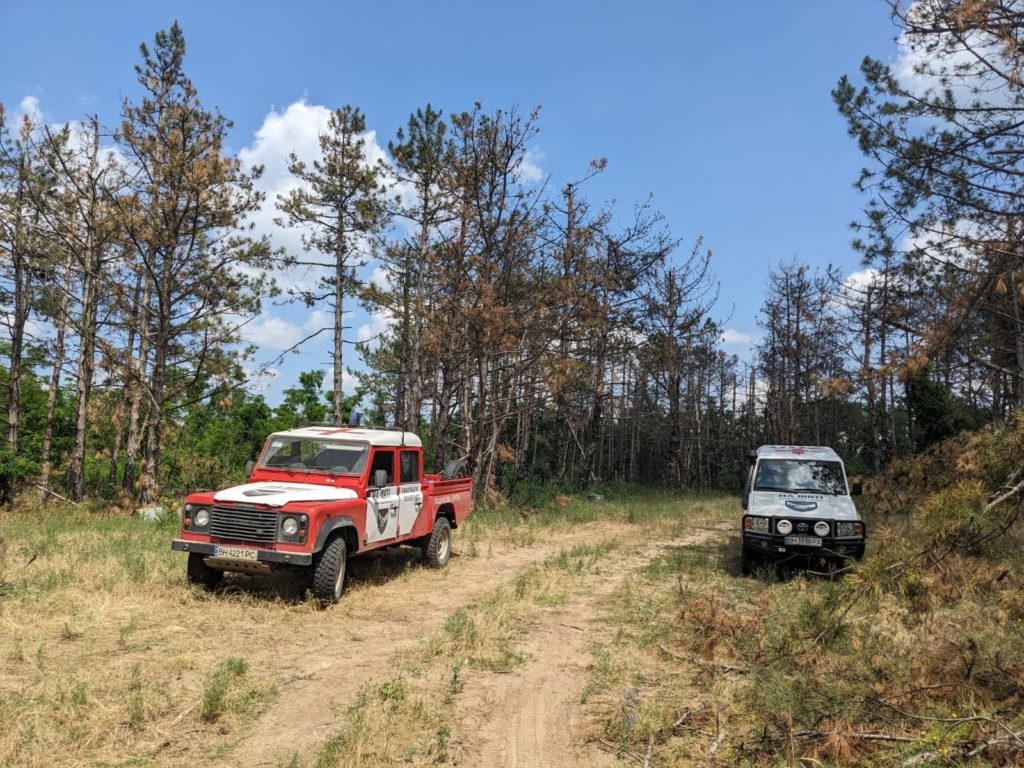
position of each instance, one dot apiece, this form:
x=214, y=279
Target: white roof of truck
x=809, y=452
x=387, y=437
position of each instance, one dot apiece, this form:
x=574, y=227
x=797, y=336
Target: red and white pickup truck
x=317, y=496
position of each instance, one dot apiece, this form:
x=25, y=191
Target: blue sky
x=721, y=111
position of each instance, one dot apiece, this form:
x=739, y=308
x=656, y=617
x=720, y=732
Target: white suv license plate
x=236, y=553
x=802, y=541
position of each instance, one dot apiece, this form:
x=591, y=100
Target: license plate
x=236, y=553
x=802, y=541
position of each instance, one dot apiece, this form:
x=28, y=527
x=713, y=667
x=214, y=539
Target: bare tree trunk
x=136, y=382
x=51, y=396
x=87, y=342
x=22, y=288
x=340, y=255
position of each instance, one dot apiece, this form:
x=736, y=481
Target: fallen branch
x=713, y=749
x=995, y=741
x=619, y=751
x=44, y=489
x=705, y=662
x=1009, y=494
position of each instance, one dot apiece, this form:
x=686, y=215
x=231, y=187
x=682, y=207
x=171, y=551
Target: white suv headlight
x=849, y=529
x=821, y=528
x=757, y=524
x=784, y=527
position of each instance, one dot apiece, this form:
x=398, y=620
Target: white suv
x=797, y=507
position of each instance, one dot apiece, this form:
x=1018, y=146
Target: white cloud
x=29, y=107
x=349, y=381
x=318, y=319
x=295, y=129
x=921, y=67
x=858, y=282
x=528, y=169
x=271, y=332
x=733, y=337
x=380, y=278
x=379, y=322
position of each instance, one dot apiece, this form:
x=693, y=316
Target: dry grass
x=107, y=656
x=914, y=657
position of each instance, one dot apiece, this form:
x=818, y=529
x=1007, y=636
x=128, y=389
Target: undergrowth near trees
x=913, y=657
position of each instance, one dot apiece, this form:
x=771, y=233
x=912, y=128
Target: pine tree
x=183, y=214
x=340, y=207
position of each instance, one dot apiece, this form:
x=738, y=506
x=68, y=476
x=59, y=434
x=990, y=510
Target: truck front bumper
x=774, y=547
x=269, y=556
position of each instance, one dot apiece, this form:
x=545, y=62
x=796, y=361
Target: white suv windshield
x=795, y=475
x=336, y=457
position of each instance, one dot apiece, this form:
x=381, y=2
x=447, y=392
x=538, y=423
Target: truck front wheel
x=437, y=547
x=200, y=573
x=329, y=573
x=747, y=561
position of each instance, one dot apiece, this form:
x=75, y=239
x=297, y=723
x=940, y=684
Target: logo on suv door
x=802, y=506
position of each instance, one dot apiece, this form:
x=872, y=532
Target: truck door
x=382, y=501
x=410, y=493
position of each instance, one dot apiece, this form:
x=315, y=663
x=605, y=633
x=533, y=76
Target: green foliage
x=936, y=412
x=216, y=690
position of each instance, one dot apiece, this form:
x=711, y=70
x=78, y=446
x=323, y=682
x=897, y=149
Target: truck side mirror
x=856, y=489
x=751, y=456
x=249, y=466
x=380, y=478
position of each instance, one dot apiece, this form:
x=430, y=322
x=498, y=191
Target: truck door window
x=384, y=460
x=409, y=471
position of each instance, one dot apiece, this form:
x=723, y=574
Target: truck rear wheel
x=200, y=573
x=329, y=573
x=437, y=547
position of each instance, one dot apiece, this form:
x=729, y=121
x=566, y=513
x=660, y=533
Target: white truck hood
x=279, y=494
x=808, y=505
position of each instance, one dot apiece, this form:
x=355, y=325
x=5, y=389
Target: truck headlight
x=784, y=527
x=849, y=529
x=289, y=526
x=756, y=524
x=821, y=528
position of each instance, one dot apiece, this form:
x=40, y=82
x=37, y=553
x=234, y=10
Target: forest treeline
x=539, y=334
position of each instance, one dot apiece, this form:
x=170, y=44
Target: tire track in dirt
x=366, y=636
x=534, y=718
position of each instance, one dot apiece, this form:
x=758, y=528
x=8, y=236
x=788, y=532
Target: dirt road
x=528, y=718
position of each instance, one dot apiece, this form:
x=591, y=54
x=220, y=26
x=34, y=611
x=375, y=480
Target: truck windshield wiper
x=773, y=488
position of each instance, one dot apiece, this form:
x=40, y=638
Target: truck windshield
x=335, y=457
x=800, y=475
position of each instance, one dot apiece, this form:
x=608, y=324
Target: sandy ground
x=534, y=718
x=529, y=718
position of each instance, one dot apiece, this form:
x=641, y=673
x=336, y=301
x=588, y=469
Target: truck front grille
x=243, y=524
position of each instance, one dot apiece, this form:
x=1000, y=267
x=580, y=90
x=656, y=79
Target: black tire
x=329, y=572
x=200, y=573
x=747, y=561
x=453, y=469
x=437, y=547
